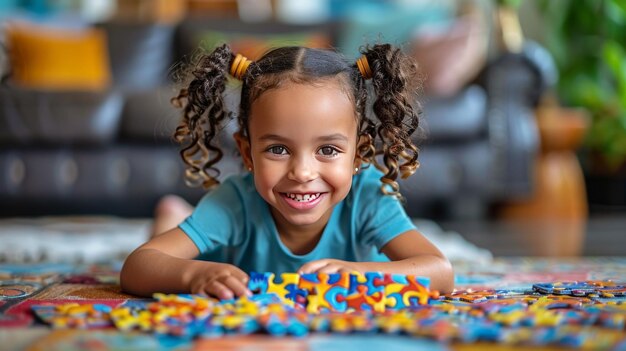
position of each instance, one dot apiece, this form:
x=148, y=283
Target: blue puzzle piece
x=259, y=282
x=295, y=294
x=566, y=288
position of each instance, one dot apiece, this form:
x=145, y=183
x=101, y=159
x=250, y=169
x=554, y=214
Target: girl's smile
x=301, y=201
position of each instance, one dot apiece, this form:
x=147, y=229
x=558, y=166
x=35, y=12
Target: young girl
x=310, y=201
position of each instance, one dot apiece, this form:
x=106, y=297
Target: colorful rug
x=24, y=286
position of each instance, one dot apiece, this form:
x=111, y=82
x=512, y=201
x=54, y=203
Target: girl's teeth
x=303, y=198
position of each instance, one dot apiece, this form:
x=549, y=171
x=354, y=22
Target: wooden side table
x=554, y=219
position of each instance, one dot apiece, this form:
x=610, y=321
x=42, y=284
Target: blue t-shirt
x=233, y=224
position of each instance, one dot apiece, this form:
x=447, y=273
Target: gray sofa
x=112, y=153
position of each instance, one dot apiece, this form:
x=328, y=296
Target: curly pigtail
x=395, y=82
x=367, y=127
x=203, y=114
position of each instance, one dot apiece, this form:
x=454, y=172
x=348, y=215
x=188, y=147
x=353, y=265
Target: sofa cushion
x=148, y=115
x=141, y=53
x=58, y=59
x=122, y=179
x=58, y=117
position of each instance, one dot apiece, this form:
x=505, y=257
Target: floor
x=601, y=235
x=88, y=239
x=522, y=319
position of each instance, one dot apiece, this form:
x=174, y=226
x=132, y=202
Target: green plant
x=587, y=39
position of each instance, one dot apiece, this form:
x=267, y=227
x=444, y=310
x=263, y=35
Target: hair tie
x=239, y=66
x=364, y=67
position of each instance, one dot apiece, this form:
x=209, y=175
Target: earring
x=356, y=169
x=249, y=169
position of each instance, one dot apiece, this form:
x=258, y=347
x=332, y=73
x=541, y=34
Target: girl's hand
x=221, y=280
x=329, y=266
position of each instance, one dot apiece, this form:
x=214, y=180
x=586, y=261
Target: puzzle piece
x=259, y=282
x=74, y=315
x=472, y=296
x=325, y=291
x=366, y=292
x=334, y=293
x=287, y=289
x=509, y=317
x=279, y=322
x=616, y=291
x=610, y=289
x=592, y=288
x=565, y=288
x=235, y=324
x=340, y=291
x=405, y=291
x=308, y=283
x=349, y=322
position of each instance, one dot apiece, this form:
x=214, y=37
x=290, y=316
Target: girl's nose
x=302, y=170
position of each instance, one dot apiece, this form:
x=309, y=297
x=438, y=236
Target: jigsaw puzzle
x=580, y=314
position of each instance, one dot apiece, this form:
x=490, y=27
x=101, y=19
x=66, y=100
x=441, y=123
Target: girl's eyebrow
x=331, y=137
x=272, y=137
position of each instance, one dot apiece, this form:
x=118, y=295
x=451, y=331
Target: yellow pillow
x=45, y=58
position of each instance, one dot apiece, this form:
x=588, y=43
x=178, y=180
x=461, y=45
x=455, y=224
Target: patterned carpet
x=55, y=261
x=25, y=285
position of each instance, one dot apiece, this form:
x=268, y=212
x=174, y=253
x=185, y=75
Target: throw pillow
x=58, y=59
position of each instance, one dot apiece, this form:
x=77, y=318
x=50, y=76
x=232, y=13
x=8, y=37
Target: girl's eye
x=328, y=151
x=278, y=150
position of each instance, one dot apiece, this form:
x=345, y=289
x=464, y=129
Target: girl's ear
x=243, y=144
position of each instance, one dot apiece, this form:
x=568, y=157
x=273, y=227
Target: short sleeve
x=380, y=217
x=217, y=219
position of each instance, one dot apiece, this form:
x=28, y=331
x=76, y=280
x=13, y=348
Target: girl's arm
x=165, y=264
x=410, y=253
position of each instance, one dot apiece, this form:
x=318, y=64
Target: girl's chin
x=310, y=218
x=301, y=220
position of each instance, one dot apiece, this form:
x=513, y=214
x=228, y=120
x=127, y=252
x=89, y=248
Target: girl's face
x=302, y=151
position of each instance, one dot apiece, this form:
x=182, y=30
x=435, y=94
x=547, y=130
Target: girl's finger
x=312, y=267
x=329, y=269
x=219, y=290
x=235, y=285
x=241, y=275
